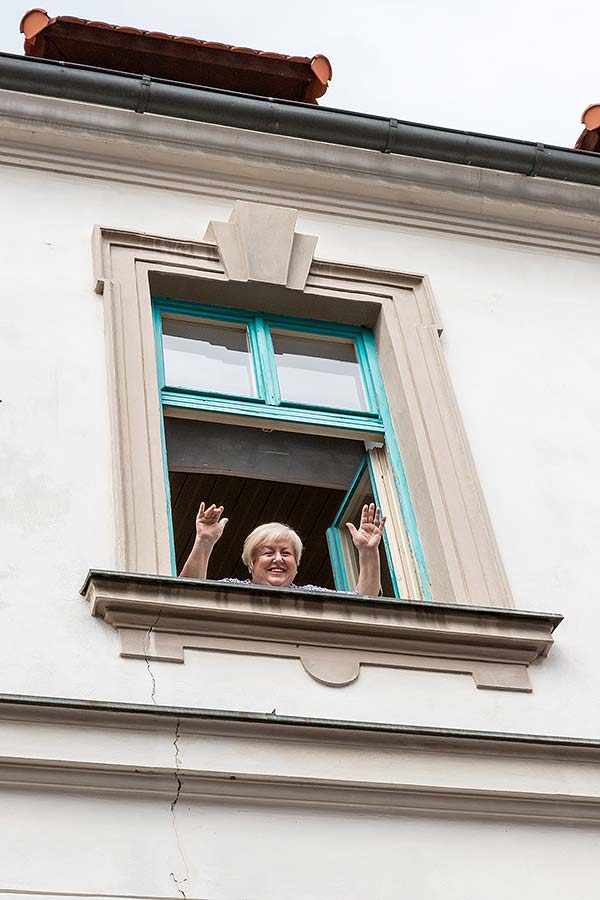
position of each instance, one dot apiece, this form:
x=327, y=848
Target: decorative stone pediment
x=260, y=243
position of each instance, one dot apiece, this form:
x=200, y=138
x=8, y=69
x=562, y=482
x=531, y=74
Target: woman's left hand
x=368, y=535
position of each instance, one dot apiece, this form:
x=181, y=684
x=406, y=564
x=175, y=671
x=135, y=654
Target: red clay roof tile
x=154, y=53
x=589, y=139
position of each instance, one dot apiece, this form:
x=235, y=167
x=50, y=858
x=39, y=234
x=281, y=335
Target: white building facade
x=163, y=737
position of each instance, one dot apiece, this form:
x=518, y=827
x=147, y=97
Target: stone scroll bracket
x=260, y=243
x=332, y=635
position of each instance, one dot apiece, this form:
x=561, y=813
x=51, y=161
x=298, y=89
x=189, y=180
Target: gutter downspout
x=140, y=93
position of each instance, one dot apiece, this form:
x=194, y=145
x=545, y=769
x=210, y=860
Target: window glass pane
x=322, y=372
x=207, y=357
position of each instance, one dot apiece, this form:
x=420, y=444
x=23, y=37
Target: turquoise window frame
x=334, y=536
x=268, y=405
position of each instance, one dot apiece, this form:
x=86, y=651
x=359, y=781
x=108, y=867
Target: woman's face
x=274, y=564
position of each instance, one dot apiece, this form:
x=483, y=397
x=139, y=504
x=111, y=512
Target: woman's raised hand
x=209, y=524
x=366, y=539
x=209, y=528
x=368, y=534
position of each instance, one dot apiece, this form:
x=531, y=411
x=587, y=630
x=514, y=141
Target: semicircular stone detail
x=335, y=668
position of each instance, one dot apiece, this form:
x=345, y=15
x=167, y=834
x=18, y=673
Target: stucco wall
x=520, y=341
x=95, y=845
x=98, y=809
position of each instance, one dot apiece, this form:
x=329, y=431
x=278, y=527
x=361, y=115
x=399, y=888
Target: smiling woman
x=272, y=552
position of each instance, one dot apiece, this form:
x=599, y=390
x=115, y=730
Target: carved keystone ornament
x=260, y=243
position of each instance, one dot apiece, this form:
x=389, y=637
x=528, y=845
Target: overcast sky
x=504, y=67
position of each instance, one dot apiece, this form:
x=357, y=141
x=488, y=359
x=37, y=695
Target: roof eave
x=301, y=120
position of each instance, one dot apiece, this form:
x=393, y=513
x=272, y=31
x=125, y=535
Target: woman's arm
x=366, y=539
x=209, y=528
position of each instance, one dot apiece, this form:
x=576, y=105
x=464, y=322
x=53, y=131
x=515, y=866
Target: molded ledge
x=331, y=634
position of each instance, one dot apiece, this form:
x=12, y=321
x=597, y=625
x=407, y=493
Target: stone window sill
x=331, y=634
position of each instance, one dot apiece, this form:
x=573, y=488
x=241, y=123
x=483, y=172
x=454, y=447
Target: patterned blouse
x=295, y=587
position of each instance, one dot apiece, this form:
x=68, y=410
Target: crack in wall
x=173, y=805
x=177, y=766
x=146, y=656
x=177, y=882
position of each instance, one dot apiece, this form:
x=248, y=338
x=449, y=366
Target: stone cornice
x=79, y=712
x=53, y=134
x=76, y=745
x=331, y=634
x=316, y=793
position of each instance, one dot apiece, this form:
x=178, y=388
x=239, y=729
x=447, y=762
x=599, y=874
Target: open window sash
x=344, y=557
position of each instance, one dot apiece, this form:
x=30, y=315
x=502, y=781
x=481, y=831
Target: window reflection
x=207, y=357
x=322, y=372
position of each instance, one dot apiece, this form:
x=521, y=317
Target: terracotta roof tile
x=128, y=29
x=154, y=53
x=589, y=139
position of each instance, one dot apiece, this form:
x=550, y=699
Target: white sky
x=505, y=67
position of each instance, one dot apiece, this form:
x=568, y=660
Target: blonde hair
x=264, y=534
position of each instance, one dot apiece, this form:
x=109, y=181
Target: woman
x=272, y=551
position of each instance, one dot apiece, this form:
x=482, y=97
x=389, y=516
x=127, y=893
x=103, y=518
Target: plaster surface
x=520, y=326
x=94, y=845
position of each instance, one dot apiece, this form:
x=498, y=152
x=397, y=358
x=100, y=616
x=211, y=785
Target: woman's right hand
x=209, y=524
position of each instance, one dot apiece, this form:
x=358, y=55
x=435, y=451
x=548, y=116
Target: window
x=258, y=252
x=206, y=357
x=273, y=435
x=341, y=548
x=319, y=370
x=276, y=418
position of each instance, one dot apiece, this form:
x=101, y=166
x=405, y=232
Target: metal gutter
x=142, y=94
x=243, y=717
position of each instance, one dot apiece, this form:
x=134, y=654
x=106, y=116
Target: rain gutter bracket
x=538, y=157
x=144, y=97
x=391, y=138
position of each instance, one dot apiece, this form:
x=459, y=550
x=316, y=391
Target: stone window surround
x=260, y=253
